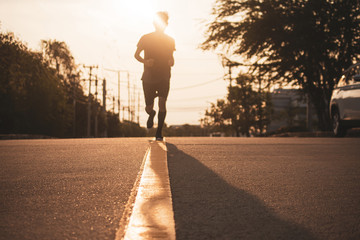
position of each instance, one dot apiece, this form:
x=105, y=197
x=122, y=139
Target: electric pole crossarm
x=89, y=101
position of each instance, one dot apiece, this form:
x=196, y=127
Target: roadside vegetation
x=306, y=44
x=41, y=94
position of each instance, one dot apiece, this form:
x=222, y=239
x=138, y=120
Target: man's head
x=161, y=21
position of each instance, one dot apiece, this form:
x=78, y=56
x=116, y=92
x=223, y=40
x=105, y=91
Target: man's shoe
x=159, y=139
x=158, y=136
x=150, y=121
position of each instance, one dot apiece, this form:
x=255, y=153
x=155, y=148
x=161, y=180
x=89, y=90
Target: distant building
x=289, y=109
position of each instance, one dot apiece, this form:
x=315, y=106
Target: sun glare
x=140, y=13
x=136, y=9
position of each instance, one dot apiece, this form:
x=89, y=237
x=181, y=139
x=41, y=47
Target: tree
x=58, y=55
x=32, y=98
x=245, y=111
x=307, y=43
x=185, y=130
x=41, y=94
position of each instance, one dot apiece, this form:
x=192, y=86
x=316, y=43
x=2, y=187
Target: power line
x=195, y=98
x=187, y=109
x=194, y=59
x=194, y=74
x=134, y=89
x=197, y=85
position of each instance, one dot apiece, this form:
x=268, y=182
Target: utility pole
x=104, y=106
x=89, y=108
x=104, y=94
x=129, y=100
x=113, y=105
x=119, y=94
x=96, y=109
x=133, y=105
x=74, y=105
x=119, y=100
x=89, y=101
x=138, y=116
x=229, y=64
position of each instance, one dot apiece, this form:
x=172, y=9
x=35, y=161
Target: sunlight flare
x=138, y=9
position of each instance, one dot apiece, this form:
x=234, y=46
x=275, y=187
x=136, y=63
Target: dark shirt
x=159, y=47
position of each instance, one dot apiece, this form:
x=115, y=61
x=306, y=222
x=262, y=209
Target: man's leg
x=161, y=116
x=150, y=110
x=149, y=94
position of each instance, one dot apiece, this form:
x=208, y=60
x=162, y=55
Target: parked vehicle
x=345, y=102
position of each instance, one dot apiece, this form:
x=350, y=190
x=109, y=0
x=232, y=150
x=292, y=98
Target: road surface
x=66, y=189
x=222, y=188
x=265, y=188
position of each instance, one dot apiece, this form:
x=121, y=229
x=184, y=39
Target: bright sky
x=105, y=33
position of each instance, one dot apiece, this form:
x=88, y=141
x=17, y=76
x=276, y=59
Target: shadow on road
x=207, y=207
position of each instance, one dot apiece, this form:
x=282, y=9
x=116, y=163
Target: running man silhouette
x=158, y=59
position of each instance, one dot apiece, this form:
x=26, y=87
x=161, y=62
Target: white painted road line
x=152, y=216
x=129, y=206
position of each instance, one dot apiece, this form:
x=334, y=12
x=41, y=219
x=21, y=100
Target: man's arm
x=171, y=61
x=137, y=55
x=147, y=62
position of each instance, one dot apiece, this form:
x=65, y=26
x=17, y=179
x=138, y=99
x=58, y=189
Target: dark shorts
x=153, y=90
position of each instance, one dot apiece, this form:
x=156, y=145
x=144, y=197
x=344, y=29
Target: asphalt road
x=265, y=188
x=223, y=188
x=66, y=189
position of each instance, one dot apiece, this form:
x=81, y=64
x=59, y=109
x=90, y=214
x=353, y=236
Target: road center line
x=152, y=215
